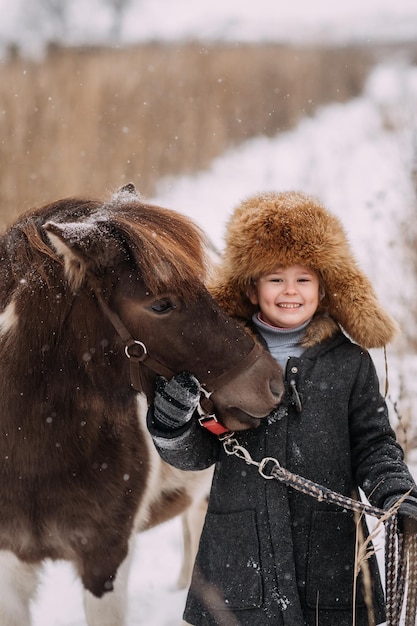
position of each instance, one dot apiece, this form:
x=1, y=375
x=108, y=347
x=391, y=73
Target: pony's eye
x=162, y=306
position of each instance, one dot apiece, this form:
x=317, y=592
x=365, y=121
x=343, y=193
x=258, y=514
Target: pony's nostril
x=276, y=387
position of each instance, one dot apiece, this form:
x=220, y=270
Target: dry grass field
x=84, y=121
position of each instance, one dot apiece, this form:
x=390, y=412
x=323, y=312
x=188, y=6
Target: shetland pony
x=96, y=300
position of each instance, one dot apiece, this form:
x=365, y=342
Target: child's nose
x=290, y=288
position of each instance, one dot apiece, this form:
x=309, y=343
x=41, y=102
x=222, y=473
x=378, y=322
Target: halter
x=137, y=353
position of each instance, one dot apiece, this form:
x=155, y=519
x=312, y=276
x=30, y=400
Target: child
x=269, y=554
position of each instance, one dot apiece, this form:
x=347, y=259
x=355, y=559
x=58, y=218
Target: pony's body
x=78, y=473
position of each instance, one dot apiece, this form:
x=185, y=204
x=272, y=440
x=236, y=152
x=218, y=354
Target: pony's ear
x=84, y=247
x=128, y=191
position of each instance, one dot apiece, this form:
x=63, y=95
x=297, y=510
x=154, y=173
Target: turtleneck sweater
x=282, y=342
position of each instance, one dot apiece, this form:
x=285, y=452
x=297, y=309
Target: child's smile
x=287, y=297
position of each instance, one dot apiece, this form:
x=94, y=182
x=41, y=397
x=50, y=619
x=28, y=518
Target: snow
x=358, y=158
x=154, y=599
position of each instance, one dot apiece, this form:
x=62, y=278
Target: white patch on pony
x=8, y=319
x=163, y=479
x=152, y=487
x=18, y=584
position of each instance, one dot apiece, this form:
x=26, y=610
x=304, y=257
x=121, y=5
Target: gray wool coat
x=268, y=554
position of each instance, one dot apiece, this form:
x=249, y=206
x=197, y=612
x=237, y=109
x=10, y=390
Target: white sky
x=233, y=20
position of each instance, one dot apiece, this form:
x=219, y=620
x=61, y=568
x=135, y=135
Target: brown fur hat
x=282, y=229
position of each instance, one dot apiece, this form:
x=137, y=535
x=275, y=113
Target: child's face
x=287, y=297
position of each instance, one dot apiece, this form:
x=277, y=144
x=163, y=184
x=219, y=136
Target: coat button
x=294, y=370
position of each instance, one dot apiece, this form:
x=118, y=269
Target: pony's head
x=145, y=267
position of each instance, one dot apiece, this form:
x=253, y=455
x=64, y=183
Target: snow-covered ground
x=358, y=158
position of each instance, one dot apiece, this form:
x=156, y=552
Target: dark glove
x=407, y=514
x=176, y=399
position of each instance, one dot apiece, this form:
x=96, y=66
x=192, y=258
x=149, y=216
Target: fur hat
x=282, y=229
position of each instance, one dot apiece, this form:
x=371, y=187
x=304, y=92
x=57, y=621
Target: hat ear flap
x=233, y=299
x=351, y=300
x=252, y=294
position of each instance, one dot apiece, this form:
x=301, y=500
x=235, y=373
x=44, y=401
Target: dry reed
x=84, y=121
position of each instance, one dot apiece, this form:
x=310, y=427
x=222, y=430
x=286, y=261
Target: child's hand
x=176, y=399
x=407, y=516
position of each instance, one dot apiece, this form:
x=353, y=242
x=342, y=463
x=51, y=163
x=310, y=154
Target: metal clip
x=264, y=463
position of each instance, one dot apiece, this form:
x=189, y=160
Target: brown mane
x=166, y=246
x=151, y=235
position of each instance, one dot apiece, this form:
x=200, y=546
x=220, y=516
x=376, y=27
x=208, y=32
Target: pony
x=97, y=299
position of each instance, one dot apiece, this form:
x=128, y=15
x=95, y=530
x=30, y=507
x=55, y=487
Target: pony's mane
x=167, y=247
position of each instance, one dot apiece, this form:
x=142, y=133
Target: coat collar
x=321, y=328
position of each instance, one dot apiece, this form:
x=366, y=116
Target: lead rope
x=400, y=552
